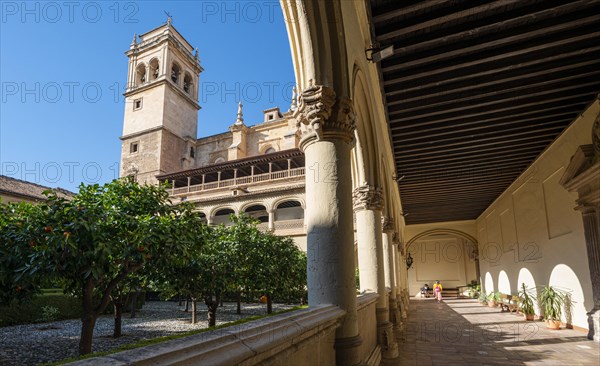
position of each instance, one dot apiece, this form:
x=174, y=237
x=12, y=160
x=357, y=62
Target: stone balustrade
x=302, y=337
x=369, y=350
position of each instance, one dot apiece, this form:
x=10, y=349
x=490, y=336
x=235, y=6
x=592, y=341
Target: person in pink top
x=437, y=291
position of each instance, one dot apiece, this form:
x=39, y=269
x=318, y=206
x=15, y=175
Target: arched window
x=222, y=216
x=258, y=212
x=270, y=150
x=187, y=83
x=175, y=71
x=140, y=74
x=219, y=160
x=154, y=69
x=289, y=210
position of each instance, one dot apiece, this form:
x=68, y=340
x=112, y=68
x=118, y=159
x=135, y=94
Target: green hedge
x=34, y=311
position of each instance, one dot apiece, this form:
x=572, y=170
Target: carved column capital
x=396, y=241
x=321, y=115
x=367, y=197
x=387, y=224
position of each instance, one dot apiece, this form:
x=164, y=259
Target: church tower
x=161, y=105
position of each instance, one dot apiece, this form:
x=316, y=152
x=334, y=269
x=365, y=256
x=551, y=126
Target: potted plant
x=482, y=298
x=474, y=289
x=526, y=305
x=552, y=301
x=494, y=299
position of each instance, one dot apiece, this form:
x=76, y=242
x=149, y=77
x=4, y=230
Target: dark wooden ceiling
x=476, y=90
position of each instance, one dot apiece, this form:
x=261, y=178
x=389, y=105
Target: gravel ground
x=32, y=344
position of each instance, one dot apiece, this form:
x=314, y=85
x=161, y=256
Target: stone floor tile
x=462, y=332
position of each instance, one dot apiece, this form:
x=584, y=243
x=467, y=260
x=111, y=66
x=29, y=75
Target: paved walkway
x=463, y=332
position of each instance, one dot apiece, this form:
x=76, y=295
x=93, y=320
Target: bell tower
x=161, y=105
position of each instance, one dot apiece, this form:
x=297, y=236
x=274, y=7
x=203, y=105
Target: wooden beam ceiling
x=475, y=91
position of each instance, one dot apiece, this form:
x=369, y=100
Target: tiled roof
x=21, y=188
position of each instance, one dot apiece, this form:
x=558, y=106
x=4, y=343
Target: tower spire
x=240, y=116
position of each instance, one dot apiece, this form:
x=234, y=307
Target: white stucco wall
x=443, y=258
x=532, y=234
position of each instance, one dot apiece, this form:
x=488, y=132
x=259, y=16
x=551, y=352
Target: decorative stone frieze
x=367, y=197
x=323, y=116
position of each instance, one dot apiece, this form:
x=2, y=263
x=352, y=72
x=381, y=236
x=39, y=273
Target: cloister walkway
x=463, y=332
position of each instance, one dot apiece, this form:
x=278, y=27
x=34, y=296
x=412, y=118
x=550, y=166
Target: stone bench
x=509, y=303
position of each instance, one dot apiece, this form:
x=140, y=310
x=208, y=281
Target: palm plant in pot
x=494, y=299
x=552, y=301
x=526, y=305
x=482, y=298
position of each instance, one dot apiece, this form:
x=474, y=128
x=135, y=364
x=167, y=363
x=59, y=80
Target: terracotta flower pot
x=529, y=317
x=553, y=324
x=492, y=304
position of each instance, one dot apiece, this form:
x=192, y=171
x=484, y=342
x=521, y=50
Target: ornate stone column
x=389, y=269
x=397, y=268
x=368, y=202
x=401, y=268
x=271, y=224
x=327, y=125
x=583, y=176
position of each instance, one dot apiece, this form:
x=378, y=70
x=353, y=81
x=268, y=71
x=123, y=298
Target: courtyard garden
x=105, y=247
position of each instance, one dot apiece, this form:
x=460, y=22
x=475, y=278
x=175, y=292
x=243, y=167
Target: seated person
x=425, y=290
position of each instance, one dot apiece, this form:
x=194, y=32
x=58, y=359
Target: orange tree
x=184, y=276
x=264, y=263
x=19, y=230
x=205, y=273
x=104, y=234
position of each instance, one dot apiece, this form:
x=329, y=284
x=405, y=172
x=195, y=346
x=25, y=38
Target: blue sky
x=63, y=71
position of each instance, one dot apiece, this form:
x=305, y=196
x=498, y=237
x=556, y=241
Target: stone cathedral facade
x=255, y=169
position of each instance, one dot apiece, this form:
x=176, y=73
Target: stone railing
x=370, y=351
x=289, y=224
x=284, y=225
x=302, y=337
x=258, y=178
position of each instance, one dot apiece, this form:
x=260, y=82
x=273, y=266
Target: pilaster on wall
x=583, y=176
x=237, y=150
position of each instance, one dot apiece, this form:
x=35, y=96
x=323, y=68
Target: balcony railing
x=283, y=225
x=266, y=177
x=289, y=224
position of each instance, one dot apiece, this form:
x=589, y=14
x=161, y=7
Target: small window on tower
x=134, y=147
x=137, y=104
x=175, y=70
x=187, y=83
x=192, y=152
